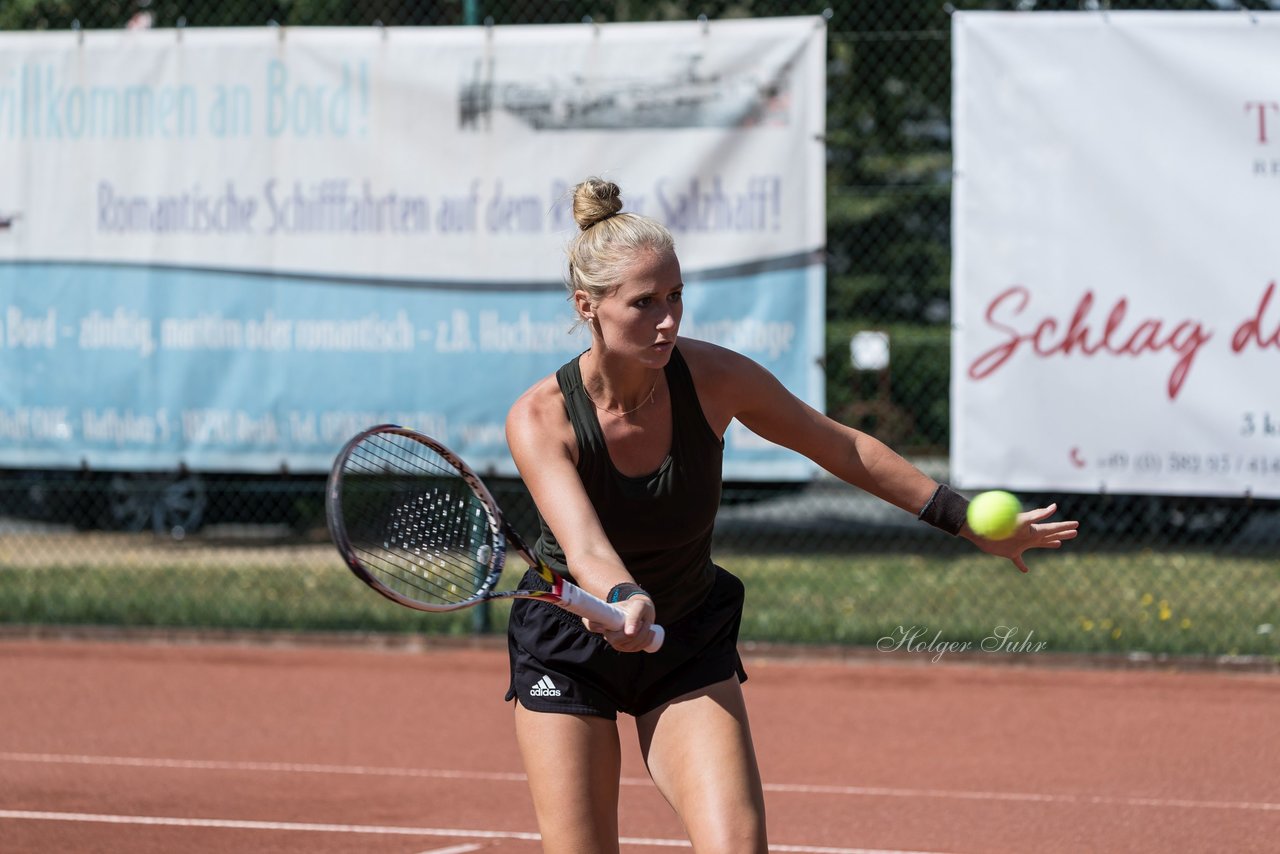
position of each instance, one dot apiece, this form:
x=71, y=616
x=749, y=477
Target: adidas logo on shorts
x=544, y=688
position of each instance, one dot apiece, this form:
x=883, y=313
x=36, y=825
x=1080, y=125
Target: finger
x=624, y=643
x=594, y=627
x=634, y=625
x=1039, y=513
x=1020, y=564
x=637, y=615
x=1040, y=533
x=636, y=642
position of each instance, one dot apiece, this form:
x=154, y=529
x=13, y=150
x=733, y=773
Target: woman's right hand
x=635, y=635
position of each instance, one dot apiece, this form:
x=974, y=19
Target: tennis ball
x=994, y=514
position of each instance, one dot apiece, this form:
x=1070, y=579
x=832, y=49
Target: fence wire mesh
x=823, y=562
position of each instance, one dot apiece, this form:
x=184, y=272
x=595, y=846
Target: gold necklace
x=642, y=403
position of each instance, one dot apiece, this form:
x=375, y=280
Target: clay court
x=130, y=747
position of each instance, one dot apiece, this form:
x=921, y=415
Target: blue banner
x=137, y=368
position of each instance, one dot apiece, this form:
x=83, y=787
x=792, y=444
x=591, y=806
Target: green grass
x=1096, y=602
x=1154, y=602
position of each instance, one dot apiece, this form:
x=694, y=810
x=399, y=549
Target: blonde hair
x=608, y=240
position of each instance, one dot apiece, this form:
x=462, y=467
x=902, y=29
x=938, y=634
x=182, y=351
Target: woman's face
x=640, y=318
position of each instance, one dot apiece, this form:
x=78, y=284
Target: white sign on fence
x=1117, y=252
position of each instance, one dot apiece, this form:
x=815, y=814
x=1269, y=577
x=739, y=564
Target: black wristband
x=624, y=591
x=945, y=510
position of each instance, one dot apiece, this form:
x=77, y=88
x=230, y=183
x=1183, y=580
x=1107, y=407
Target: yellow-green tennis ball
x=994, y=514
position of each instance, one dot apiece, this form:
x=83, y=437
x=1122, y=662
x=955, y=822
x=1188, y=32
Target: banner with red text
x=1116, y=220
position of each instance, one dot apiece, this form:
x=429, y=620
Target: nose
x=670, y=319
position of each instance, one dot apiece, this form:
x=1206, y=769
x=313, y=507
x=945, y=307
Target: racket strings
x=415, y=522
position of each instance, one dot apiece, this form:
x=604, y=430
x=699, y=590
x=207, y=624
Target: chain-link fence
x=823, y=562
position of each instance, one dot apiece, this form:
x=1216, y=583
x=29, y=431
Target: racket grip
x=583, y=604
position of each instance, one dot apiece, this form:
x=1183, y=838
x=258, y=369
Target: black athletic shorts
x=559, y=666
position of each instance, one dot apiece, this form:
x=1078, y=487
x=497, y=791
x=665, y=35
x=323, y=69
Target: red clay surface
x=137, y=748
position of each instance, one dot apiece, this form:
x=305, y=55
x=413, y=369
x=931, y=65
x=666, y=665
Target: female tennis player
x=621, y=450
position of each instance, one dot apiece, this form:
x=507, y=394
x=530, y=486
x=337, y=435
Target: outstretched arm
x=739, y=388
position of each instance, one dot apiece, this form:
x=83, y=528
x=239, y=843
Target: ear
x=582, y=305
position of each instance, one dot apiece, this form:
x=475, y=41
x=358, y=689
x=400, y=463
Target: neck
x=614, y=393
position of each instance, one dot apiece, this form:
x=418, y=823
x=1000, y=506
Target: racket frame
x=563, y=592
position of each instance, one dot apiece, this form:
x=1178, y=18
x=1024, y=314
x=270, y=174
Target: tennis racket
x=416, y=524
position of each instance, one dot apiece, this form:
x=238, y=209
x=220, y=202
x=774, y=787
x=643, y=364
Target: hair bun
x=595, y=200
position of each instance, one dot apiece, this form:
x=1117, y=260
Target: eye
x=643, y=302
x=677, y=296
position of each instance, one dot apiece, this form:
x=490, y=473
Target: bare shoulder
x=540, y=402
x=537, y=420
x=711, y=363
x=728, y=383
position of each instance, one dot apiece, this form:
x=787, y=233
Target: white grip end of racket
x=659, y=635
x=583, y=604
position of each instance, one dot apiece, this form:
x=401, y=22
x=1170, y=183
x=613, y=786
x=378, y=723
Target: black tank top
x=660, y=523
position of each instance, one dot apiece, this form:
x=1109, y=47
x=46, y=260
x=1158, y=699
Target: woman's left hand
x=1032, y=533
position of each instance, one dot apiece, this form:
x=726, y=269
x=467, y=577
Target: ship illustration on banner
x=685, y=98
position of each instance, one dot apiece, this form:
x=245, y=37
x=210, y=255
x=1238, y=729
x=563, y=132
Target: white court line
x=1030, y=797
x=453, y=849
x=385, y=830
x=286, y=767
x=512, y=777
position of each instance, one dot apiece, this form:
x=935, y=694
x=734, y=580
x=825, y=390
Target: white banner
x=1116, y=252
x=230, y=249
x=378, y=153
